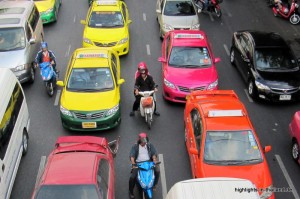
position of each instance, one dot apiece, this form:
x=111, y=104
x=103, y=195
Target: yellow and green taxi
x=107, y=25
x=48, y=9
x=90, y=98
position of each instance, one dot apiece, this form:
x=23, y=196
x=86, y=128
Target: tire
x=252, y=91
x=32, y=75
x=149, y=120
x=295, y=150
x=295, y=19
x=218, y=11
x=232, y=56
x=25, y=138
x=50, y=89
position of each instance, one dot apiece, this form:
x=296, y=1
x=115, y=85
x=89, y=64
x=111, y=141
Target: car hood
x=181, y=21
x=11, y=59
x=106, y=34
x=284, y=80
x=191, y=76
x=89, y=101
x=259, y=174
x=42, y=6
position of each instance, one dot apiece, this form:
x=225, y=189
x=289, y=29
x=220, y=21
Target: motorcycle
x=291, y=13
x=147, y=106
x=212, y=6
x=146, y=177
x=49, y=77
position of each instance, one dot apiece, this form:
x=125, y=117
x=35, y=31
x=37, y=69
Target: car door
x=166, y=51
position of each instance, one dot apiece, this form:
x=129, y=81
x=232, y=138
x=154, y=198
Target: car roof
x=188, y=38
x=91, y=57
x=106, y=5
x=267, y=39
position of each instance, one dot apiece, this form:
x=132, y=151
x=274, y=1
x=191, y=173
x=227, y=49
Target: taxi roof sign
x=107, y=3
x=225, y=113
x=190, y=36
x=91, y=55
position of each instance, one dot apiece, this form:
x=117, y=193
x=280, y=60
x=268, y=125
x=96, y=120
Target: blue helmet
x=44, y=45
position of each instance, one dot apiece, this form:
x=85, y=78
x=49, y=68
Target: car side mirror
x=193, y=151
x=32, y=41
x=158, y=11
x=129, y=21
x=267, y=149
x=161, y=59
x=60, y=83
x=121, y=81
x=83, y=22
x=217, y=60
x=113, y=146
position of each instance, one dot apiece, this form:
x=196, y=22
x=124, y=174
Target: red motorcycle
x=211, y=6
x=286, y=11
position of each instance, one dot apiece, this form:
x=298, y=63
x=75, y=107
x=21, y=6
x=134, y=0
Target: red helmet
x=142, y=66
x=143, y=137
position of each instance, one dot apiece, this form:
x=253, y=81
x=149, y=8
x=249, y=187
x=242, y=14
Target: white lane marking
x=41, y=168
x=287, y=177
x=162, y=175
x=211, y=17
x=229, y=14
x=68, y=51
x=57, y=97
x=148, y=49
x=249, y=98
x=74, y=18
x=144, y=17
x=226, y=49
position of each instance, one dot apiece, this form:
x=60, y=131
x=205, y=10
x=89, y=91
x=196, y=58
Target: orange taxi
x=221, y=141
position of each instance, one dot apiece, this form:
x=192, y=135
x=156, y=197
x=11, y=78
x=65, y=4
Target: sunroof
x=9, y=21
x=5, y=11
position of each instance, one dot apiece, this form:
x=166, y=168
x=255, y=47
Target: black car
x=267, y=64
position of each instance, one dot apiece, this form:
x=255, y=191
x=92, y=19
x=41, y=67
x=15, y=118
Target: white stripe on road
x=287, y=177
x=41, y=167
x=247, y=94
x=211, y=17
x=57, y=97
x=68, y=51
x=162, y=175
x=148, y=49
x=144, y=17
x=226, y=49
x=74, y=18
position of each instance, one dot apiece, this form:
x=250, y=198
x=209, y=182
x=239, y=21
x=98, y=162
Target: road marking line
x=41, y=167
x=144, y=17
x=57, y=97
x=211, y=17
x=74, y=18
x=162, y=175
x=249, y=98
x=287, y=177
x=68, y=51
x=148, y=49
x=229, y=14
x=226, y=49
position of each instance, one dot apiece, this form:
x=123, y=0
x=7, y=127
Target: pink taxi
x=188, y=64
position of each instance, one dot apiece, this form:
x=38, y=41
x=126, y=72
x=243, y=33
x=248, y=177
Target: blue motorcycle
x=49, y=77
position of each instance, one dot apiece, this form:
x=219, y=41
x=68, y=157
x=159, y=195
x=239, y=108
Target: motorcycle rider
x=142, y=151
x=279, y=5
x=45, y=55
x=143, y=82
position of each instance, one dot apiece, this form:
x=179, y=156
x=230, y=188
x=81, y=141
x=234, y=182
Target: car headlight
x=65, y=111
x=212, y=85
x=195, y=26
x=167, y=27
x=267, y=192
x=169, y=84
x=19, y=68
x=86, y=40
x=48, y=11
x=261, y=86
x=122, y=41
x=112, y=110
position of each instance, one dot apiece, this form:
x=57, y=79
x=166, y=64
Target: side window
x=7, y=123
x=34, y=18
x=197, y=127
x=245, y=45
x=28, y=32
x=114, y=63
x=103, y=177
x=124, y=10
x=168, y=46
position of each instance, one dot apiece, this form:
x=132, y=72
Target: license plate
x=89, y=125
x=285, y=97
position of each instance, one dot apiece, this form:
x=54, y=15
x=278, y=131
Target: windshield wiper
x=232, y=162
x=252, y=160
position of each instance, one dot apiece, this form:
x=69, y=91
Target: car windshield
x=189, y=57
x=274, y=58
x=67, y=191
x=106, y=19
x=179, y=8
x=90, y=80
x=237, y=147
x=12, y=39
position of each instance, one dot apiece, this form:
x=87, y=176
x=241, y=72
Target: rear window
x=9, y=21
x=5, y=11
x=179, y=8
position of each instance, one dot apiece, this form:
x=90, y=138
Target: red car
x=187, y=64
x=79, y=167
x=294, y=128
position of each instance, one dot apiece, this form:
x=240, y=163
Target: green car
x=48, y=9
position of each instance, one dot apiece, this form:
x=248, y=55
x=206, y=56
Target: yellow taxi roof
x=104, y=5
x=91, y=57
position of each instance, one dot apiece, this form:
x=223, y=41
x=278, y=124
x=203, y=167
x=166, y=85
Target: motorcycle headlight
x=19, y=68
x=261, y=86
x=169, y=84
x=86, y=40
x=195, y=26
x=267, y=192
x=122, y=41
x=167, y=27
x=212, y=85
x=65, y=111
x=112, y=110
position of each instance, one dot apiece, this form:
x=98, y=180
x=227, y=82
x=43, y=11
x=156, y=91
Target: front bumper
x=23, y=75
x=279, y=96
x=75, y=124
x=121, y=49
x=48, y=17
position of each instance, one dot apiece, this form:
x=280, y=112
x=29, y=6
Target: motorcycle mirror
x=267, y=149
x=60, y=83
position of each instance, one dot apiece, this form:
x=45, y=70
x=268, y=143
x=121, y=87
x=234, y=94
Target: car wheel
x=232, y=56
x=25, y=142
x=32, y=75
x=252, y=89
x=295, y=19
x=295, y=150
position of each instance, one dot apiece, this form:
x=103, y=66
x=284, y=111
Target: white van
x=14, y=126
x=214, y=188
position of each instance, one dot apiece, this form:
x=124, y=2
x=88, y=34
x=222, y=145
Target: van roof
x=214, y=188
x=14, y=13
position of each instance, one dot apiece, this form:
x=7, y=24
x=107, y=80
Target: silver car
x=176, y=15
